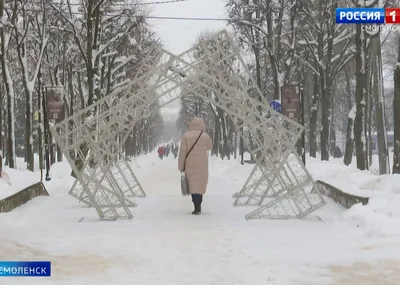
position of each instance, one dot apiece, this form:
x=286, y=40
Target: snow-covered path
x=165, y=244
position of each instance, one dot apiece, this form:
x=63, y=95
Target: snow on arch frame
x=207, y=66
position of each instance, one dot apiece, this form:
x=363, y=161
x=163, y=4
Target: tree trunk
x=1, y=85
x=216, y=137
x=380, y=122
x=28, y=132
x=325, y=125
x=58, y=148
x=5, y=154
x=396, y=107
x=11, y=159
x=274, y=47
x=1, y=116
x=134, y=139
x=368, y=126
x=11, y=128
x=80, y=90
x=326, y=89
x=313, y=118
x=368, y=114
x=71, y=105
x=348, y=154
x=216, y=134
x=361, y=90
x=369, y=140
x=9, y=93
x=224, y=151
x=22, y=56
x=349, y=148
x=332, y=140
x=89, y=53
x=40, y=125
x=83, y=148
x=235, y=145
x=129, y=146
x=3, y=140
x=59, y=153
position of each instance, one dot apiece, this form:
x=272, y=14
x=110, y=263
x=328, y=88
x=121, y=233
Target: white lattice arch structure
x=279, y=185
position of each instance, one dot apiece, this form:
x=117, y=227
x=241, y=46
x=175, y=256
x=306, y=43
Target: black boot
x=197, y=199
x=197, y=208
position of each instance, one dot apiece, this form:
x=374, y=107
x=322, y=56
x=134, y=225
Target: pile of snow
x=352, y=180
x=17, y=181
x=381, y=216
x=4, y=178
x=384, y=184
x=334, y=172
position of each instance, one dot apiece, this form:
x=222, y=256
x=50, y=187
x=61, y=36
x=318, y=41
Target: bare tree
x=330, y=47
x=349, y=150
x=27, y=39
x=270, y=26
x=361, y=59
x=98, y=34
x=6, y=34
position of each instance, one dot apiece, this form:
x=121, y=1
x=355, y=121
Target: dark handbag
x=184, y=183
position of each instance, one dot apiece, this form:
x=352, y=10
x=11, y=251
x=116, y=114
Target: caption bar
x=25, y=268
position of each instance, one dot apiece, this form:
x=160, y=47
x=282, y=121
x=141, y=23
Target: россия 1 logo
x=367, y=16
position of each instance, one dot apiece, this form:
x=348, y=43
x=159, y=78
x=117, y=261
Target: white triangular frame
x=209, y=66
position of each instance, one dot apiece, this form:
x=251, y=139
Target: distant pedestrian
x=175, y=150
x=161, y=152
x=337, y=153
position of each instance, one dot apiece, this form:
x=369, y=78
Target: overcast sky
x=179, y=35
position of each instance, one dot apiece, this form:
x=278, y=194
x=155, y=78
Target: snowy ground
x=165, y=244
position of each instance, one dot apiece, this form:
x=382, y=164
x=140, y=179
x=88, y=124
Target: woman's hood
x=197, y=124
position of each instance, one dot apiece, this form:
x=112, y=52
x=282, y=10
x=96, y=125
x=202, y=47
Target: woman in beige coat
x=195, y=165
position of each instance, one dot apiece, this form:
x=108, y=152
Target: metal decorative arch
x=92, y=139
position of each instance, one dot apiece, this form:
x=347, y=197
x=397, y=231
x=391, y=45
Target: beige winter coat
x=196, y=167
